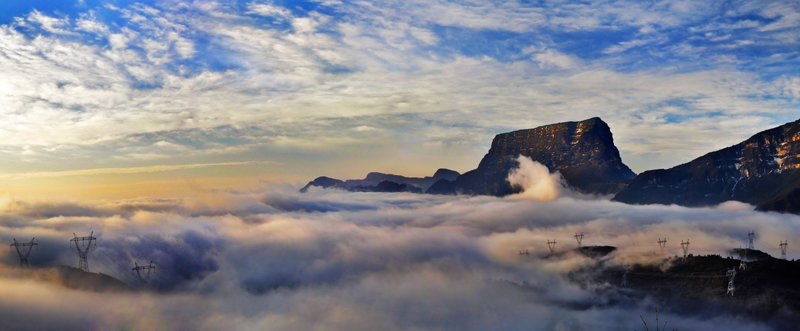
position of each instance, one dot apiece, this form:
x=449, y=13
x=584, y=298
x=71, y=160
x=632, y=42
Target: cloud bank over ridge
x=278, y=260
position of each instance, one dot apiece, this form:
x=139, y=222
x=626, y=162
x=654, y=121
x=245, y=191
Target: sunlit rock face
x=583, y=152
x=762, y=170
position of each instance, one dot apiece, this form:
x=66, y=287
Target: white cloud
x=360, y=261
x=268, y=9
x=626, y=45
x=551, y=58
x=377, y=66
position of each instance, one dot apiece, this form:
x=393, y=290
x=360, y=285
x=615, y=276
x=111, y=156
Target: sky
x=124, y=99
x=179, y=132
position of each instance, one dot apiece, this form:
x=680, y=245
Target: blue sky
x=340, y=88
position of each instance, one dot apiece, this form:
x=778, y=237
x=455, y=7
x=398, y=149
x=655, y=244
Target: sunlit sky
x=114, y=99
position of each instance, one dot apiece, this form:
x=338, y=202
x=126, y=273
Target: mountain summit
x=583, y=152
x=762, y=170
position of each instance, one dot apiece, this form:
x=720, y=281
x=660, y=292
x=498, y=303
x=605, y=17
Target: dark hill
x=767, y=290
x=762, y=170
x=583, y=152
x=89, y=281
x=373, y=182
x=387, y=187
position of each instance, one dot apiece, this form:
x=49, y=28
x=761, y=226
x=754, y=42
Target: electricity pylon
x=662, y=243
x=750, y=236
x=139, y=271
x=742, y=258
x=685, y=247
x=524, y=253
x=23, y=257
x=579, y=238
x=552, y=246
x=83, y=264
x=783, y=249
x=625, y=276
x=731, y=287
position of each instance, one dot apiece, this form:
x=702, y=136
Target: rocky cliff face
x=763, y=170
x=583, y=152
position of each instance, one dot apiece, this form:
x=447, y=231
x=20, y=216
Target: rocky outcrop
x=374, y=182
x=762, y=170
x=583, y=152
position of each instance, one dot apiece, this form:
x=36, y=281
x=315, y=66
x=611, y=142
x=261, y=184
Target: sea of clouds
x=275, y=259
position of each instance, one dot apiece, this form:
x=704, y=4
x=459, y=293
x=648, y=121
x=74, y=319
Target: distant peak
x=446, y=173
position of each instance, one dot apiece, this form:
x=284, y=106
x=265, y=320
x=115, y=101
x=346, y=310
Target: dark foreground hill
x=584, y=153
x=762, y=171
x=89, y=281
x=767, y=290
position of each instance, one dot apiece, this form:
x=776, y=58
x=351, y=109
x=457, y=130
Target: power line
x=115, y=273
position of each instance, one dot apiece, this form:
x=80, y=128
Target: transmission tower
x=552, y=246
x=524, y=253
x=139, y=270
x=731, y=287
x=579, y=238
x=625, y=276
x=662, y=243
x=685, y=247
x=750, y=236
x=742, y=258
x=83, y=264
x=783, y=249
x=24, y=253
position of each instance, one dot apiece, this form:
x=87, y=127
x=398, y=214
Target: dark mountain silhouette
x=583, y=152
x=375, y=180
x=762, y=170
x=388, y=187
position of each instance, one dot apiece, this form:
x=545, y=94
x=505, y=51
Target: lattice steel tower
x=552, y=246
x=783, y=248
x=625, y=276
x=662, y=243
x=25, y=252
x=139, y=270
x=731, y=287
x=750, y=236
x=743, y=258
x=685, y=247
x=579, y=238
x=83, y=264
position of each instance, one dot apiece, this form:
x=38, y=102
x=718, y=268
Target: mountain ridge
x=382, y=182
x=763, y=170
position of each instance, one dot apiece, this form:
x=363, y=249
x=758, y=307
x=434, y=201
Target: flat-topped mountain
x=583, y=152
x=380, y=182
x=762, y=170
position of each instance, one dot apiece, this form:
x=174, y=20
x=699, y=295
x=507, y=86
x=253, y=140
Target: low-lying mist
x=280, y=260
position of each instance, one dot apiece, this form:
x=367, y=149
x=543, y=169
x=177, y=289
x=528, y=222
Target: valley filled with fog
x=275, y=259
